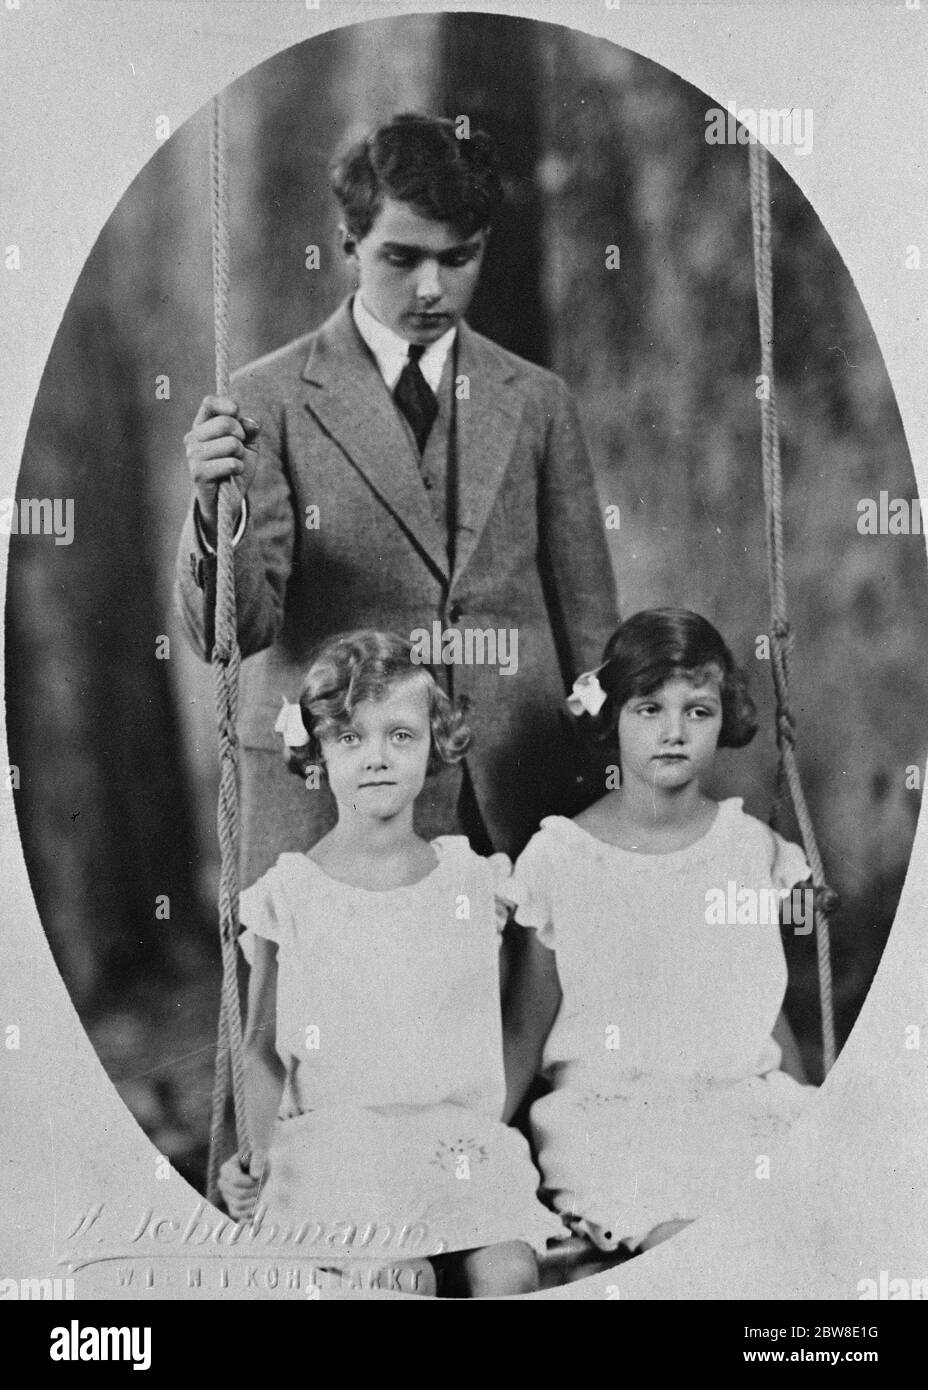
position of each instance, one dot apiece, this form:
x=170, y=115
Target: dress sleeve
x=260, y=911
x=530, y=891
x=788, y=863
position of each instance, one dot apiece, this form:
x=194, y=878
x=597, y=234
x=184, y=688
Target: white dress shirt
x=391, y=352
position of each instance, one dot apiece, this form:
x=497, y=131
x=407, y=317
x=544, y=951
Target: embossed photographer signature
x=206, y=1227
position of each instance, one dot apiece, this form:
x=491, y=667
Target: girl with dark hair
x=374, y=1071
x=653, y=980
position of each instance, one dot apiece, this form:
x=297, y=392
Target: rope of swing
x=226, y=661
x=226, y=657
x=781, y=634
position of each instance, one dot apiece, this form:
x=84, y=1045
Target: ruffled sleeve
x=530, y=890
x=788, y=864
x=262, y=913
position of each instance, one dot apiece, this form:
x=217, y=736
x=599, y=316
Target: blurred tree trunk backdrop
x=602, y=149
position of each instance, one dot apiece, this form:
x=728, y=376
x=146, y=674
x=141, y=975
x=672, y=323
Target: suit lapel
x=487, y=426
x=347, y=395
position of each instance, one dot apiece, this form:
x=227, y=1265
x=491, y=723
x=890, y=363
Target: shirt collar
x=391, y=352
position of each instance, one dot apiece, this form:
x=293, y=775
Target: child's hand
x=825, y=899
x=240, y=1188
x=220, y=445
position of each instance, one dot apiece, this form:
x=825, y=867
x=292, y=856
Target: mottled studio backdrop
x=115, y=746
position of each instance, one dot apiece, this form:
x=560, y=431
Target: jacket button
x=455, y=612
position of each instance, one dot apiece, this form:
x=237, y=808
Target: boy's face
x=668, y=738
x=376, y=765
x=415, y=275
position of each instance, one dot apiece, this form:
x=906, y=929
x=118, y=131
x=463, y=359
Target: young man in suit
x=401, y=471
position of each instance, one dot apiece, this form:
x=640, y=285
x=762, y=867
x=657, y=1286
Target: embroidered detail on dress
x=593, y=1099
x=450, y=1156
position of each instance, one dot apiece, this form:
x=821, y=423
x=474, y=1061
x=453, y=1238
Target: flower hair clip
x=587, y=695
x=290, y=724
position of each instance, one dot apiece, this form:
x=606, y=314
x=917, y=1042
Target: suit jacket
x=529, y=555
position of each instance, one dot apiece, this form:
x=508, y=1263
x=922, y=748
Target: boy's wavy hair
x=365, y=665
x=419, y=160
x=657, y=644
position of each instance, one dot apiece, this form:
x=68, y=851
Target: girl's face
x=376, y=765
x=668, y=739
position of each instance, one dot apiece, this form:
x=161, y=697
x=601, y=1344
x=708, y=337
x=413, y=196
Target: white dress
x=667, y=1090
x=389, y=1142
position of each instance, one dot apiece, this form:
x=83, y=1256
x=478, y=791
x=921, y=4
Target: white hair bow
x=587, y=695
x=290, y=724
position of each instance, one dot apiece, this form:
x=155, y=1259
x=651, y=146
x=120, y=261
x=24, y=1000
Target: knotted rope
x=781, y=636
x=226, y=660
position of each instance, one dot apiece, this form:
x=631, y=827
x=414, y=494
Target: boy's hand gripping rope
x=226, y=659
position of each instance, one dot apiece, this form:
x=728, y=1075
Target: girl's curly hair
x=657, y=644
x=364, y=665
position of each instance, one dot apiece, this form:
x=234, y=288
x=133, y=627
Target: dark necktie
x=415, y=397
